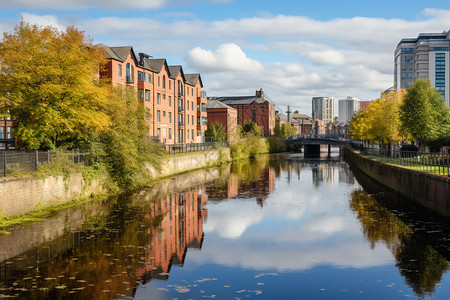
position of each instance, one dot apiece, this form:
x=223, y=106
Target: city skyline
x=293, y=50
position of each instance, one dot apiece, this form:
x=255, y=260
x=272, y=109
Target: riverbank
x=28, y=195
x=430, y=190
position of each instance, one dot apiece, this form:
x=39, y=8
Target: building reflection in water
x=181, y=228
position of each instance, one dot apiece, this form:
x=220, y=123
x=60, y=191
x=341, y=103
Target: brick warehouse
x=258, y=109
x=174, y=102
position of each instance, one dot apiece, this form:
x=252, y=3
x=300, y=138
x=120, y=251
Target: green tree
x=288, y=130
x=277, y=128
x=249, y=128
x=124, y=148
x=216, y=131
x=423, y=113
x=47, y=84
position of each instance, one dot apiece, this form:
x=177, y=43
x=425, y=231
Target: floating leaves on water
x=163, y=289
x=260, y=283
x=60, y=287
x=206, y=279
x=265, y=274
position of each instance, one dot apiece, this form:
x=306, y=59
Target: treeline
x=418, y=113
x=49, y=86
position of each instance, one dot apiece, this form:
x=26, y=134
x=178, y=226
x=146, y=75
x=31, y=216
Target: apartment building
x=323, y=109
x=173, y=101
x=258, y=109
x=425, y=57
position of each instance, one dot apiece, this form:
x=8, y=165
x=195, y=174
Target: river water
x=281, y=227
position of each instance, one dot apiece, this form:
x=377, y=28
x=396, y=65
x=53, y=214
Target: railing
x=193, y=147
x=437, y=163
x=21, y=162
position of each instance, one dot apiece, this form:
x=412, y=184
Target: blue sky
x=294, y=50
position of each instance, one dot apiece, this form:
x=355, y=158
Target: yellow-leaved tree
x=48, y=85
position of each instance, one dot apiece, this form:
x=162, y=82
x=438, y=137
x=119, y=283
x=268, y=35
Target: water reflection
x=279, y=223
x=420, y=265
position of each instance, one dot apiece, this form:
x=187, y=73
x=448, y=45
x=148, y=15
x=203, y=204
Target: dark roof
x=175, y=70
x=239, y=99
x=118, y=53
x=155, y=64
x=217, y=104
x=193, y=79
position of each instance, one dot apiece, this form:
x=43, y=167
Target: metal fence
x=21, y=161
x=438, y=163
x=193, y=147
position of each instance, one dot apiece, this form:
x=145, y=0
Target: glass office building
x=425, y=57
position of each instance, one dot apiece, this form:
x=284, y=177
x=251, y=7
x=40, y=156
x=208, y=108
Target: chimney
x=142, y=56
x=260, y=93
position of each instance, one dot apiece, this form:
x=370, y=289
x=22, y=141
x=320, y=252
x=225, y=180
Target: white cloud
x=85, y=4
x=227, y=57
x=45, y=20
x=293, y=58
x=327, y=57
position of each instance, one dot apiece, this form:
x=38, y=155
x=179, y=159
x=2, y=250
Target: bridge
x=312, y=144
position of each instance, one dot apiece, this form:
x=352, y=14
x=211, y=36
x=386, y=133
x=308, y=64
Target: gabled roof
x=217, y=104
x=175, y=70
x=155, y=64
x=193, y=79
x=119, y=53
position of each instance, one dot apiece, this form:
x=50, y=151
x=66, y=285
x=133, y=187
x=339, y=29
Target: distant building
x=226, y=115
x=258, y=109
x=425, y=57
x=7, y=140
x=347, y=107
x=323, y=108
x=363, y=104
x=304, y=123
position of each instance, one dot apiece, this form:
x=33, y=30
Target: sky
x=293, y=49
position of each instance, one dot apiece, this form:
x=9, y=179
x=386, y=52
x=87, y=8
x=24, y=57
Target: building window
x=147, y=114
x=9, y=134
x=140, y=76
x=141, y=95
x=407, y=68
x=147, y=95
x=170, y=100
x=129, y=73
x=254, y=116
x=164, y=113
x=192, y=133
x=170, y=85
x=158, y=116
x=407, y=76
x=180, y=88
x=170, y=117
x=164, y=96
x=120, y=70
x=407, y=59
x=187, y=134
x=192, y=105
x=439, y=78
x=192, y=120
x=159, y=81
x=164, y=82
x=158, y=133
x=170, y=137
x=158, y=98
x=2, y=133
x=148, y=77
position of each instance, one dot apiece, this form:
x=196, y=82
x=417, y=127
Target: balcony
x=180, y=108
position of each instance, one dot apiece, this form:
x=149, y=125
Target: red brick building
x=257, y=109
x=219, y=112
x=173, y=101
x=7, y=140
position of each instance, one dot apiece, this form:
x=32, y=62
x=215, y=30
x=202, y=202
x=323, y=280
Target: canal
x=280, y=227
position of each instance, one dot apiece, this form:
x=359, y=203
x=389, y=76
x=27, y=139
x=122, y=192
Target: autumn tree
x=47, y=83
x=379, y=122
x=249, y=128
x=216, y=131
x=423, y=113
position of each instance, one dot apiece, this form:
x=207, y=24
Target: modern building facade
x=323, y=109
x=348, y=107
x=424, y=57
x=258, y=109
x=174, y=102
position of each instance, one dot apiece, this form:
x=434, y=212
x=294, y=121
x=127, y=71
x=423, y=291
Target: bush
x=276, y=144
x=249, y=147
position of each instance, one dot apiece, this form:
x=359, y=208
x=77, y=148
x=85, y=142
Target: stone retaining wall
x=21, y=195
x=430, y=190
